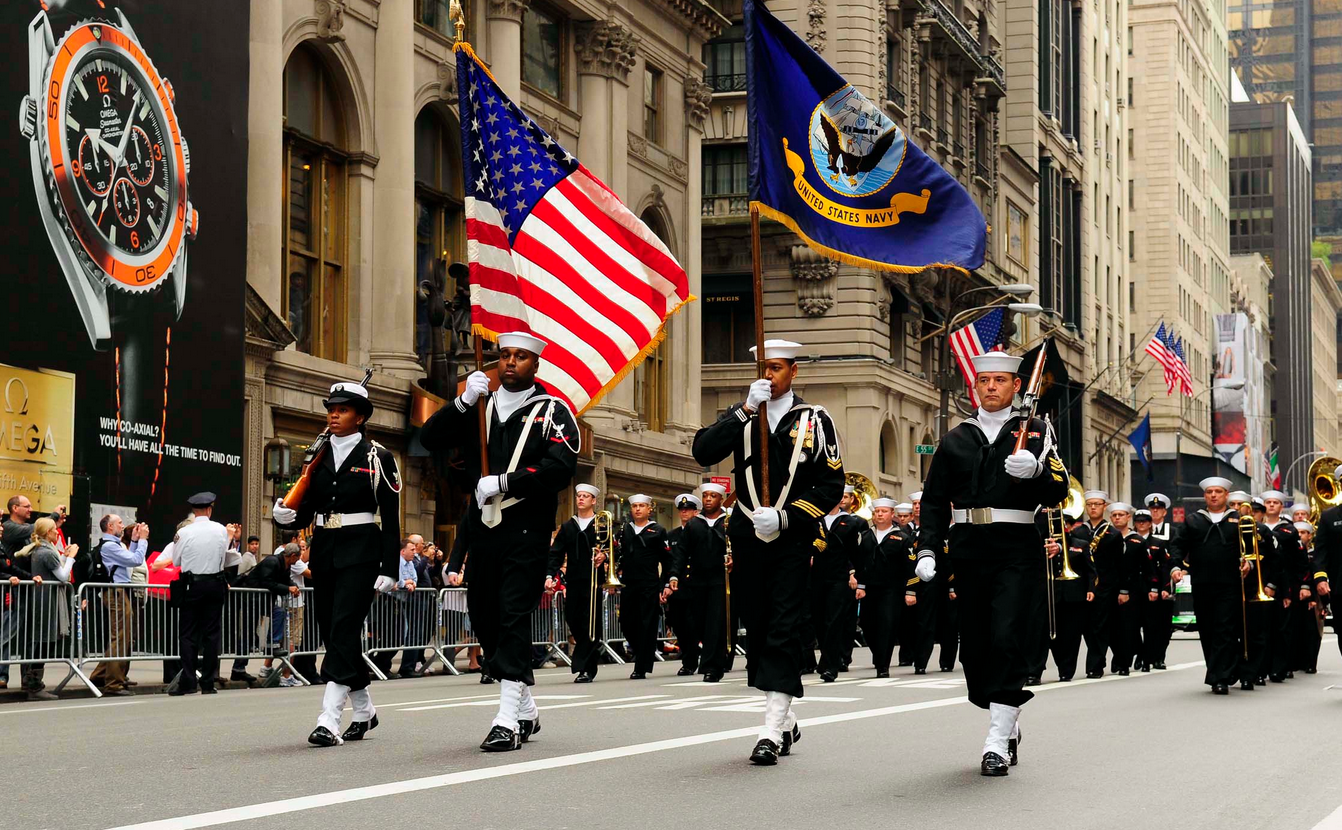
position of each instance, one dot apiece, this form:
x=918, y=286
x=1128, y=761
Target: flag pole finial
x=458, y=18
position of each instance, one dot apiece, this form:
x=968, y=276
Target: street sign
x=725, y=481
x=924, y=449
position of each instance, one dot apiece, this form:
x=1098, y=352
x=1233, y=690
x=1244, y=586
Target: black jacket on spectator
x=17, y=535
x=270, y=573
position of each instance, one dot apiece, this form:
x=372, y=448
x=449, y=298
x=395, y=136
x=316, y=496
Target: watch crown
x=186, y=157
x=192, y=222
x=28, y=117
x=167, y=86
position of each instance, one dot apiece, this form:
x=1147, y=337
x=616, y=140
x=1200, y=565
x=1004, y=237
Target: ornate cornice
x=505, y=9
x=698, y=100
x=815, y=276
x=330, y=20
x=705, y=21
x=605, y=47
x=447, y=81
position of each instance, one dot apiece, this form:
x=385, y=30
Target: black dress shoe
x=243, y=677
x=1277, y=678
x=1094, y=675
x=358, y=729
x=882, y=672
x=501, y=739
x=1064, y=678
x=790, y=738
x=1290, y=675
x=485, y=679
x=765, y=753
x=843, y=668
x=828, y=677
x=1220, y=689
x=638, y=675
x=321, y=736
x=1123, y=672
x=945, y=668
x=583, y=677
x=208, y=690
x=1246, y=685
x=1013, y=748
x=1145, y=668
x=1033, y=681
x=527, y=728
x=993, y=765
x=903, y=663
x=178, y=691
x=1311, y=671
x=1158, y=666
x=713, y=677
x=920, y=671
x=1260, y=681
x=406, y=675
x=684, y=671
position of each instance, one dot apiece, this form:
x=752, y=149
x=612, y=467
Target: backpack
x=95, y=570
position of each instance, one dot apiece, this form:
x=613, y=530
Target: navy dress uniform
x=1104, y=546
x=1157, y=613
x=700, y=563
x=200, y=549
x=918, y=622
x=833, y=571
x=574, y=551
x=353, y=505
x=643, y=557
x=1292, y=563
x=772, y=547
x=679, y=606
x=882, y=576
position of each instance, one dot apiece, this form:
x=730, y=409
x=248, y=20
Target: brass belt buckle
x=980, y=515
x=334, y=521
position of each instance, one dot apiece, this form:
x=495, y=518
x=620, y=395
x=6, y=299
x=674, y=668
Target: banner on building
x=1239, y=421
x=122, y=362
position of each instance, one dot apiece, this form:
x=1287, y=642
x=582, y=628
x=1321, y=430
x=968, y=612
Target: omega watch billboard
x=127, y=253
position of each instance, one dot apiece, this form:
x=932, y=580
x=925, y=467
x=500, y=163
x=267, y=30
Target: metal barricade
x=36, y=627
x=302, y=637
x=404, y=621
x=118, y=623
x=454, y=630
x=547, y=626
x=254, y=627
x=611, y=632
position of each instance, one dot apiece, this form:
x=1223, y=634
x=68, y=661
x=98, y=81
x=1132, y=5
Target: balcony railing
x=925, y=122
x=943, y=137
x=957, y=149
x=893, y=94
x=955, y=30
x=726, y=83
x=727, y=205
x=981, y=170
x=992, y=69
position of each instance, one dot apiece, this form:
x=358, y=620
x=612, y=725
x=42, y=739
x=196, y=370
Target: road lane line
x=599, y=702
x=68, y=708
x=1332, y=821
x=494, y=696
x=492, y=699
x=663, y=702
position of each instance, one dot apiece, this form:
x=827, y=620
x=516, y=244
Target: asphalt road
x=1150, y=750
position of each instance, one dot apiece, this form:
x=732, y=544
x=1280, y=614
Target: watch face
x=116, y=156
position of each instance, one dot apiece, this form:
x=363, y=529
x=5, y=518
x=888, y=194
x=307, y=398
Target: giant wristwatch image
x=109, y=162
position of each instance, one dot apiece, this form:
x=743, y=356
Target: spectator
x=48, y=617
x=436, y=561
x=273, y=574
x=250, y=556
x=18, y=528
x=119, y=559
x=9, y=619
x=417, y=606
x=299, y=573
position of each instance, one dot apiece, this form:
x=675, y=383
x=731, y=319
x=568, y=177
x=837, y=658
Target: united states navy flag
x=830, y=165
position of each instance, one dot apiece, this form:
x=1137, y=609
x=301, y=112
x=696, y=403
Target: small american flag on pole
x=983, y=335
x=1181, y=369
x=554, y=252
x=1164, y=355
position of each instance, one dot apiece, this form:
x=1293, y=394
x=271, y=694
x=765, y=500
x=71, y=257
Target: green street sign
x=924, y=449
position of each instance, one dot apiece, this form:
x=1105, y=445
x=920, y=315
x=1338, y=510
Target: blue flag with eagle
x=830, y=165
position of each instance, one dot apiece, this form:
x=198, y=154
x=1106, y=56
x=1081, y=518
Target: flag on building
x=1181, y=368
x=1160, y=350
x=982, y=335
x=1273, y=473
x=553, y=251
x=1141, y=442
x=831, y=165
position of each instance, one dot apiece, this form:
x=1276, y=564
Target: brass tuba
x=1325, y=490
x=864, y=492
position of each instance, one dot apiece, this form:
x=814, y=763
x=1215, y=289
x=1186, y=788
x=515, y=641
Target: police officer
x=700, y=563
x=678, y=606
x=574, y=552
x=200, y=549
x=1105, y=548
x=353, y=503
x=532, y=445
x=833, y=584
x=993, y=543
x=772, y=546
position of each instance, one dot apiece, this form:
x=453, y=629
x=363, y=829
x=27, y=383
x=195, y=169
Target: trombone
x=727, y=578
x=601, y=528
x=1248, y=552
x=1057, y=531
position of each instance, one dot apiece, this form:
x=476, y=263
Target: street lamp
x=947, y=378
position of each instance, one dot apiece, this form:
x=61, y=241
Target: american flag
x=983, y=335
x=1160, y=349
x=1181, y=368
x=554, y=252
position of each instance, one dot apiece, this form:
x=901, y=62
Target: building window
x=728, y=318
x=651, y=378
x=652, y=104
x=725, y=170
x=433, y=14
x=439, y=223
x=543, y=49
x=899, y=319
x=725, y=59
x=314, y=208
x=894, y=72
x=1018, y=234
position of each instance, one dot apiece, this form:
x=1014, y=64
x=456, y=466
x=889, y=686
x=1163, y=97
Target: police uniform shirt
x=201, y=547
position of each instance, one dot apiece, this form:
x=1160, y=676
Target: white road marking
x=597, y=702
x=1332, y=821
x=490, y=702
x=700, y=684
x=645, y=703
x=494, y=696
x=68, y=708
x=692, y=703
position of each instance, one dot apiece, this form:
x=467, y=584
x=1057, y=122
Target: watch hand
x=95, y=135
x=125, y=137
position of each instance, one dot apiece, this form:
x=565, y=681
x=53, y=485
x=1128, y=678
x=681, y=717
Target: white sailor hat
x=1337, y=471
x=916, y=496
x=714, y=487
x=783, y=349
x=1257, y=504
x=522, y=340
x=883, y=502
x=904, y=507
x=1238, y=496
x=1302, y=526
x=688, y=501
x=848, y=489
x=352, y=394
x=1273, y=494
x=1091, y=495
x=1157, y=500
x=1215, y=481
x=1142, y=515
x=589, y=489
x=1119, y=506
x=639, y=498
x=996, y=362
x=1299, y=508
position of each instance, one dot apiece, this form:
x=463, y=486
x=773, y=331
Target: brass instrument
x=727, y=578
x=1325, y=490
x=864, y=492
x=602, y=525
x=1248, y=552
x=1057, y=531
x=1099, y=535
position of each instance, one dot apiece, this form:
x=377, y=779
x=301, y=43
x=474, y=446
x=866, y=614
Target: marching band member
x=574, y=552
x=532, y=442
x=1257, y=616
x=1127, y=619
x=834, y=582
x=1300, y=513
x=1308, y=611
x=353, y=501
x=679, y=606
x=1327, y=551
x=1290, y=575
x=881, y=579
x=1158, y=608
x=994, y=544
x=701, y=564
x=644, y=558
x=1105, y=548
x=772, y=546
x=918, y=620
x=1071, y=597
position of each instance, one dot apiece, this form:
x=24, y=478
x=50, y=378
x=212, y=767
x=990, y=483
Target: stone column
x=698, y=101
x=504, y=37
x=265, y=158
x=391, y=342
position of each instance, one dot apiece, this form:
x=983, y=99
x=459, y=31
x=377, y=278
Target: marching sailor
x=833, y=583
x=532, y=442
x=678, y=605
x=994, y=544
x=644, y=557
x=772, y=546
x=574, y=551
x=1104, y=545
x=353, y=502
x=700, y=561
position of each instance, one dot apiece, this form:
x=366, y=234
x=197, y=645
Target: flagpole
x=763, y=451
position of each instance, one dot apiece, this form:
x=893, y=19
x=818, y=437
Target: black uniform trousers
x=923, y=630
x=1257, y=617
x=503, y=591
x=998, y=600
x=1066, y=647
x=341, y=598
x=1279, y=637
x=707, y=615
x=202, y=616
x=832, y=610
x=577, y=610
x=881, y=610
x=948, y=630
x=905, y=635
x=1306, y=636
x=639, y=608
x=1218, y=611
x=1156, y=628
x=1126, y=641
x=1099, y=629
x=770, y=581
x=680, y=619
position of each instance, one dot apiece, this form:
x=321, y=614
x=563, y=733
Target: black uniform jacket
x=968, y=472
x=1210, y=551
x=1136, y=572
x=817, y=484
x=1157, y=573
x=1292, y=562
x=1327, y=545
x=701, y=556
x=1106, y=555
x=848, y=543
x=545, y=468
x=889, y=562
x=573, y=547
x=368, y=481
x=643, y=558
x=270, y=573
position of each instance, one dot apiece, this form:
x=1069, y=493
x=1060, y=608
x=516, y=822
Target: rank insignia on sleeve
x=1056, y=463
x=820, y=545
x=835, y=463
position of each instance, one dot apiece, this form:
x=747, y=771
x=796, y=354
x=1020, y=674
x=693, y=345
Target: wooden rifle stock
x=315, y=453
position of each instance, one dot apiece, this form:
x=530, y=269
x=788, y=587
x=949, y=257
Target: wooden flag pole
x=763, y=451
x=484, y=435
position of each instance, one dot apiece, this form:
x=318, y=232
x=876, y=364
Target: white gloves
x=1022, y=464
x=477, y=384
x=768, y=523
x=486, y=489
x=926, y=568
x=761, y=391
x=283, y=515
x=384, y=584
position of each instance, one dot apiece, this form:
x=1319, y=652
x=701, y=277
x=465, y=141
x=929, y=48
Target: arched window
x=651, y=378
x=925, y=461
x=439, y=222
x=314, y=253
x=889, y=450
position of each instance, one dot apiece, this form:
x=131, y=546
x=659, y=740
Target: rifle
x=312, y=458
x=1030, y=400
